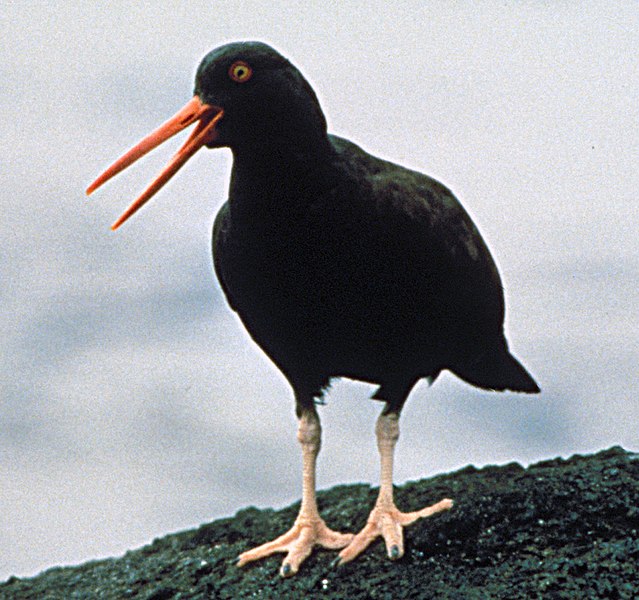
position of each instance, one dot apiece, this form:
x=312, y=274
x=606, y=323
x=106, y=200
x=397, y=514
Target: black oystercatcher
x=338, y=264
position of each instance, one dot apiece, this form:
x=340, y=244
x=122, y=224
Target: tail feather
x=500, y=373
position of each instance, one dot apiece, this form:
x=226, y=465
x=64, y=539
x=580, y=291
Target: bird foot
x=387, y=521
x=298, y=542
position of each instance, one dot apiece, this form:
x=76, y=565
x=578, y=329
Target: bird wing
x=426, y=241
x=408, y=200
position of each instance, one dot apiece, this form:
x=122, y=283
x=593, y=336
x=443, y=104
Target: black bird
x=339, y=264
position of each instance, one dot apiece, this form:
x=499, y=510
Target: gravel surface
x=558, y=529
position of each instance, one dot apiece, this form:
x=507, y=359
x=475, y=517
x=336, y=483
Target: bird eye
x=240, y=71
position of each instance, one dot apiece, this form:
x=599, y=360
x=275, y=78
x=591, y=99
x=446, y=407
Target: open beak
x=207, y=117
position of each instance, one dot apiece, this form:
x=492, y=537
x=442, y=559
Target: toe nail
x=286, y=570
x=394, y=551
x=336, y=563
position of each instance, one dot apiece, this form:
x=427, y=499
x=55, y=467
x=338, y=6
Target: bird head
x=248, y=97
x=265, y=99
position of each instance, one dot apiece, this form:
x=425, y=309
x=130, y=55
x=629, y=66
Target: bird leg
x=385, y=519
x=309, y=529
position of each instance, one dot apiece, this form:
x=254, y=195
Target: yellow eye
x=240, y=71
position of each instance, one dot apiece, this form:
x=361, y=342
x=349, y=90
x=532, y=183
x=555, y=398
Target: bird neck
x=275, y=150
x=279, y=179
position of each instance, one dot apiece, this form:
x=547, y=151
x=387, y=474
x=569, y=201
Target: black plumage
x=342, y=264
x=339, y=264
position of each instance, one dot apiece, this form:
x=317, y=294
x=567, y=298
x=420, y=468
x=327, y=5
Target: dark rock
x=558, y=529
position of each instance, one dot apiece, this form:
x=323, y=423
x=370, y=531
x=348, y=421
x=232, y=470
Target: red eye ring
x=240, y=71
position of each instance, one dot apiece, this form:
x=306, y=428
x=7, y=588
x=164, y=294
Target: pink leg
x=309, y=529
x=385, y=519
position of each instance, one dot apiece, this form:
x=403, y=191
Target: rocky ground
x=558, y=529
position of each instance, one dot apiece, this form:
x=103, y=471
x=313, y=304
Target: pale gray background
x=133, y=403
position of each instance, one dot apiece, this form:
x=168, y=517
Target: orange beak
x=207, y=117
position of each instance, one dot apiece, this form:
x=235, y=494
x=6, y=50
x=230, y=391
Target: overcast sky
x=133, y=403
